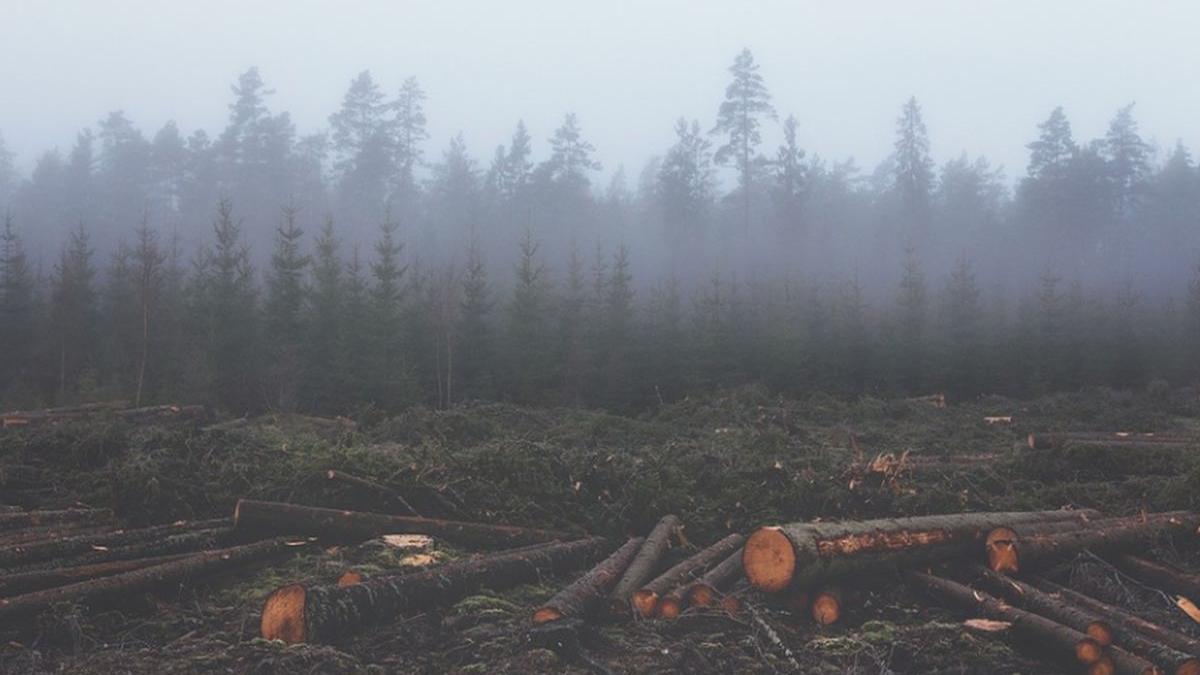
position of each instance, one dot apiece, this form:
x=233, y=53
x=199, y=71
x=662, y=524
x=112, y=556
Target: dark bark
x=1002, y=543
x=27, y=582
x=187, y=542
x=387, y=496
x=280, y=518
x=73, y=545
x=1159, y=576
x=582, y=596
x=48, y=532
x=705, y=591
x=12, y=521
x=325, y=614
x=644, y=565
x=1027, y=597
x=645, y=599
x=1028, y=553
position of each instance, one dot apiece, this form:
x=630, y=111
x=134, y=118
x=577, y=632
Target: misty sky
x=985, y=72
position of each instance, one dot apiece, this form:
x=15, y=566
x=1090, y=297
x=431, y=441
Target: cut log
x=645, y=599
x=644, y=565
x=1027, y=597
x=27, y=582
x=72, y=545
x=350, y=578
x=1001, y=543
x=582, y=596
x=1030, y=628
x=157, y=412
x=279, y=518
x=1117, y=661
x=1048, y=441
x=30, y=535
x=732, y=602
x=186, y=542
x=98, y=591
x=805, y=554
x=325, y=614
x=827, y=605
x=12, y=521
x=1024, y=553
x=1170, y=649
x=1159, y=576
x=705, y=591
x=387, y=496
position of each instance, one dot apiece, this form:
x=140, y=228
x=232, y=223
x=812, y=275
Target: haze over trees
x=366, y=264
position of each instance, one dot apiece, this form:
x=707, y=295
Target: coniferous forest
x=367, y=265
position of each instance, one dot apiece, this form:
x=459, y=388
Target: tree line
x=266, y=270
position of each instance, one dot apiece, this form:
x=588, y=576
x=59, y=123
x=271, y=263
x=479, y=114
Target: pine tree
x=527, y=324
x=913, y=166
x=8, y=175
x=476, y=353
x=391, y=378
x=324, y=362
x=962, y=330
x=685, y=184
x=73, y=316
x=913, y=305
x=285, y=313
x=739, y=120
x=410, y=121
x=1128, y=160
x=571, y=158
x=148, y=273
x=790, y=180
x=1051, y=153
x=363, y=138
x=229, y=316
x=17, y=312
x=616, y=349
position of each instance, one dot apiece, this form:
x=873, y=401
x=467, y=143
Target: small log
x=12, y=521
x=30, y=535
x=704, y=592
x=645, y=599
x=36, y=580
x=1025, y=553
x=1170, y=649
x=1159, y=576
x=71, y=545
x=733, y=600
x=644, y=564
x=1117, y=661
x=805, y=554
x=325, y=614
x=582, y=596
x=1001, y=543
x=155, y=412
x=1048, y=441
x=1029, y=627
x=1027, y=597
x=827, y=605
x=280, y=518
x=390, y=497
x=186, y=542
x=105, y=589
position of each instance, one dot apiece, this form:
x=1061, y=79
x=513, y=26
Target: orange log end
x=283, y=615
x=1001, y=549
x=349, y=578
x=1101, y=632
x=701, y=595
x=1189, y=667
x=669, y=608
x=546, y=615
x=769, y=560
x=644, y=601
x=826, y=609
x=1088, y=651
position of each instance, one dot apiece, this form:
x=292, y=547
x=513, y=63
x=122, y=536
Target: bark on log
x=5, y=508
x=30, y=535
x=645, y=599
x=1026, y=553
x=1001, y=543
x=1160, y=644
x=72, y=545
x=280, y=518
x=1027, y=597
x=1160, y=576
x=107, y=588
x=1048, y=441
x=733, y=601
x=827, y=605
x=1050, y=635
x=582, y=596
x=324, y=614
x=1117, y=661
x=390, y=497
x=644, y=564
x=154, y=412
x=187, y=542
x=705, y=591
x=12, y=521
x=27, y=582
x=808, y=553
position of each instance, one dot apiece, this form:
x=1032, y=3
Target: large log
x=324, y=614
x=280, y=518
x=704, y=592
x=1160, y=576
x=644, y=564
x=1002, y=542
x=1024, y=553
x=36, y=580
x=97, y=591
x=582, y=596
x=1161, y=644
x=72, y=545
x=1027, y=597
x=388, y=496
x=12, y=521
x=804, y=554
x=185, y=542
x=1028, y=627
x=1048, y=441
x=646, y=598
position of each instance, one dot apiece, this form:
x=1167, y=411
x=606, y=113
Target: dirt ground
x=725, y=463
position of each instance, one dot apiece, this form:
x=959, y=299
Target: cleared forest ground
x=726, y=463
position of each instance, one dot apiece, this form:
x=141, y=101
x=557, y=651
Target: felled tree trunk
x=587, y=591
x=98, y=591
x=30, y=535
x=1027, y=597
x=72, y=545
x=36, y=580
x=388, y=496
x=808, y=553
x=190, y=412
x=186, y=542
x=324, y=614
x=1160, y=644
x=706, y=590
x=1023, y=553
x=1157, y=575
x=280, y=518
x=1050, y=635
x=644, y=564
x=12, y=521
x=1048, y=441
x=645, y=599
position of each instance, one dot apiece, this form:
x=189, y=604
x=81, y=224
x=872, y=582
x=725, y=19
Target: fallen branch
x=324, y=614
x=587, y=591
x=646, y=598
x=644, y=564
x=390, y=497
x=36, y=580
x=187, y=542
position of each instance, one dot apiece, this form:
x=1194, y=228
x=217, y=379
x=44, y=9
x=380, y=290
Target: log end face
x=769, y=560
x=283, y=615
x=1104, y=666
x=546, y=615
x=349, y=578
x=1001, y=546
x=731, y=604
x=701, y=595
x=237, y=512
x=1088, y=651
x=1101, y=632
x=826, y=609
x=1188, y=667
x=669, y=608
x=644, y=602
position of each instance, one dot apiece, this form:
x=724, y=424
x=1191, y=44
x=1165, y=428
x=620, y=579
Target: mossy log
x=1172, y=650
x=76, y=544
x=36, y=580
x=1024, y=553
x=389, y=497
x=1049, y=441
x=1027, y=597
x=805, y=554
x=13, y=521
x=1029, y=628
x=1159, y=576
x=706, y=590
x=646, y=599
x=644, y=564
x=280, y=518
x=106, y=589
x=586, y=592
x=325, y=614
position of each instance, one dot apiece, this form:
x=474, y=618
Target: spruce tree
x=285, y=313
x=616, y=352
x=912, y=302
x=686, y=184
x=324, y=325
x=739, y=120
x=475, y=352
x=788, y=190
x=391, y=379
x=913, y=166
x=528, y=324
x=962, y=330
x=73, y=316
x=17, y=314
x=149, y=276
x=1128, y=159
x=230, y=313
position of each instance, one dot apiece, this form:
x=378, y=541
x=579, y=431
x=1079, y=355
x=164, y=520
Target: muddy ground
x=725, y=463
